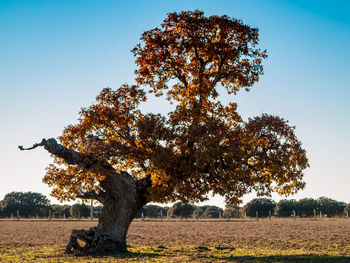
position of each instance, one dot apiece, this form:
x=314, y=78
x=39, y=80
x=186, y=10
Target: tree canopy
x=306, y=207
x=264, y=206
x=79, y=210
x=285, y=208
x=202, y=145
x=180, y=209
x=330, y=207
x=27, y=204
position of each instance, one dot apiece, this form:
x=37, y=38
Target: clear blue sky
x=55, y=57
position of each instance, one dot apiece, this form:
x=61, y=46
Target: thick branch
x=51, y=145
x=91, y=195
x=202, y=65
x=115, y=182
x=142, y=187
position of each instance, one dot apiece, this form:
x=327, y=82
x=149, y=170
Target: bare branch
x=30, y=148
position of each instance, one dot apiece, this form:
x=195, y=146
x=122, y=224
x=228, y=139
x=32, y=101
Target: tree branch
x=91, y=195
x=142, y=186
x=30, y=148
x=219, y=74
x=70, y=156
x=116, y=182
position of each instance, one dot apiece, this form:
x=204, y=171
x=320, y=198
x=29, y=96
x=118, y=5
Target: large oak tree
x=124, y=158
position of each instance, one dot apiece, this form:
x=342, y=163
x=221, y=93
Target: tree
x=97, y=211
x=124, y=158
x=347, y=210
x=79, y=210
x=212, y=212
x=284, y=207
x=199, y=210
x=306, y=206
x=180, y=209
x=28, y=204
x=153, y=211
x=232, y=211
x=60, y=210
x=260, y=205
x=330, y=207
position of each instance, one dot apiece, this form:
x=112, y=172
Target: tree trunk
x=122, y=197
x=119, y=209
x=110, y=234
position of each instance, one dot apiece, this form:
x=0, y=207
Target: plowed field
x=278, y=240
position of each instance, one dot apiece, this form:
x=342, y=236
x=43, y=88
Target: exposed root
x=94, y=243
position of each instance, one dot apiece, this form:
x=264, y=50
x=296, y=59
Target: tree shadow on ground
x=241, y=259
x=131, y=255
x=288, y=259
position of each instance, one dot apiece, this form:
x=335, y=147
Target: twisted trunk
x=121, y=196
x=110, y=234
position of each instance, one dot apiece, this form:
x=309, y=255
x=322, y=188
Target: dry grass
x=279, y=240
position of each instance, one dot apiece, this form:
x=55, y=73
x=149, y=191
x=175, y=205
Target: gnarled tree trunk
x=121, y=196
x=119, y=209
x=110, y=234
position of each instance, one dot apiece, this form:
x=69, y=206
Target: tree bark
x=110, y=234
x=121, y=196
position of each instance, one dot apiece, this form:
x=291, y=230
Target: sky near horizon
x=55, y=57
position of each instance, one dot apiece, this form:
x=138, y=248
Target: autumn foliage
x=200, y=146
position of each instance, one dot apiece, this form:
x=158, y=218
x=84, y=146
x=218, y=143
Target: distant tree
x=180, y=209
x=347, y=209
x=284, y=207
x=165, y=210
x=141, y=212
x=232, y=211
x=2, y=205
x=97, y=210
x=213, y=212
x=152, y=211
x=28, y=204
x=330, y=207
x=260, y=205
x=341, y=205
x=306, y=206
x=60, y=210
x=199, y=210
x=81, y=210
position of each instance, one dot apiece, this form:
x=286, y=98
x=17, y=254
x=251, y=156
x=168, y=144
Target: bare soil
x=325, y=235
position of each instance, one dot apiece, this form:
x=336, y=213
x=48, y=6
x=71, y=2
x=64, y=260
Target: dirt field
x=278, y=240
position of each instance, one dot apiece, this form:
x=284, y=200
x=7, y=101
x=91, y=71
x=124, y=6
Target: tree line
x=31, y=204
x=306, y=207
x=263, y=207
